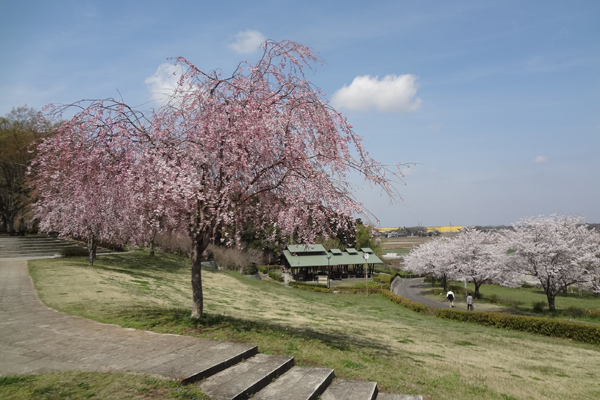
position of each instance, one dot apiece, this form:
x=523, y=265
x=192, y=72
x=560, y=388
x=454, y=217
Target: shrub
x=580, y=332
x=249, y=270
x=575, y=312
x=493, y=298
x=382, y=278
x=411, y=305
x=74, y=251
x=538, y=306
x=234, y=259
x=275, y=276
x=305, y=284
x=262, y=269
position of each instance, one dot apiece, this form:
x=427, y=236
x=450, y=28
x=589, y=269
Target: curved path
x=35, y=339
x=412, y=288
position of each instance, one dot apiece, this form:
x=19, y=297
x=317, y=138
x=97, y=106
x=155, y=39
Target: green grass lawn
x=93, y=385
x=362, y=338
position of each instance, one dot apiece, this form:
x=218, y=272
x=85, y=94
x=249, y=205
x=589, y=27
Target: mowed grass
x=362, y=338
x=95, y=385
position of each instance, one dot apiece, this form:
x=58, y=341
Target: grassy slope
x=89, y=385
x=361, y=338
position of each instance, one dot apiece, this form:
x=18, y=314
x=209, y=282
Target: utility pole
x=366, y=257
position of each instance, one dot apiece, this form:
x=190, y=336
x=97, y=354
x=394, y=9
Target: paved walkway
x=412, y=288
x=35, y=339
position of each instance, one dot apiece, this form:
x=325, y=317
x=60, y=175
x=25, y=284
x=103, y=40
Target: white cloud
x=393, y=93
x=541, y=159
x=163, y=82
x=247, y=42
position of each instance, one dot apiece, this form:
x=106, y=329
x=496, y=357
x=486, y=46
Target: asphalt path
x=412, y=289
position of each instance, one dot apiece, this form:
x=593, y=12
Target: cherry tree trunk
x=444, y=282
x=477, y=286
x=153, y=242
x=199, y=244
x=551, y=303
x=92, y=244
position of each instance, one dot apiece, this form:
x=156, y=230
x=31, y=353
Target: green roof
x=305, y=248
x=300, y=256
x=367, y=250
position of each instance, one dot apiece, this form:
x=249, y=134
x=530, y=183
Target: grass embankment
x=521, y=300
x=86, y=385
x=364, y=338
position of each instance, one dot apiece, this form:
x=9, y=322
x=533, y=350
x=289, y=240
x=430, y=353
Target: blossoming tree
x=477, y=257
x=262, y=146
x=558, y=250
x=435, y=258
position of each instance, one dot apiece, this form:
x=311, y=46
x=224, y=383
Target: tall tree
x=82, y=181
x=558, y=250
x=20, y=130
x=262, y=145
x=477, y=257
x=434, y=258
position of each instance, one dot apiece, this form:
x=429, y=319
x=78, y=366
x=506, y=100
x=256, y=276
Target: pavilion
x=305, y=262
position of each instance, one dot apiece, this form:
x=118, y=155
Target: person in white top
x=470, y=303
x=450, y=297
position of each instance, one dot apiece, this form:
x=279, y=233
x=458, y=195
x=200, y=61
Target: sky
x=493, y=105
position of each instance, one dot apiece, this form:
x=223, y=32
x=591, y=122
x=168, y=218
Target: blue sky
x=498, y=102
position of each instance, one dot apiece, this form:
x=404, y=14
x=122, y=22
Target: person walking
x=469, y=303
x=450, y=297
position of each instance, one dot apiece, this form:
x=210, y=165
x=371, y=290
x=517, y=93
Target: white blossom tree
x=434, y=258
x=477, y=257
x=558, y=250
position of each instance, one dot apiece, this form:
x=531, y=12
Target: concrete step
x=246, y=378
x=299, y=383
x=390, y=396
x=204, y=361
x=18, y=246
x=350, y=390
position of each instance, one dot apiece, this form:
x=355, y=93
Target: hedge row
x=411, y=305
x=321, y=288
x=580, y=332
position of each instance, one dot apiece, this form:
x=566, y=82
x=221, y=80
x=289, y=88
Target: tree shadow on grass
x=141, y=264
x=174, y=318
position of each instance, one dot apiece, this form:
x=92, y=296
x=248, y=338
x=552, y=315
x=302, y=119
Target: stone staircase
x=265, y=377
x=35, y=246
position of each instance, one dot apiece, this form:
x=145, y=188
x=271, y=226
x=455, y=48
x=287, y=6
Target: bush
x=305, y=284
x=575, y=312
x=411, y=305
x=382, y=278
x=249, y=270
x=275, y=276
x=493, y=298
x=538, y=306
x=581, y=332
x=74, y=251
x=234, y=259
x=262, y=269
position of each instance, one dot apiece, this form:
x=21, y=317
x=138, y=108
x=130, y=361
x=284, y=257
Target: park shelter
x=305, y=262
